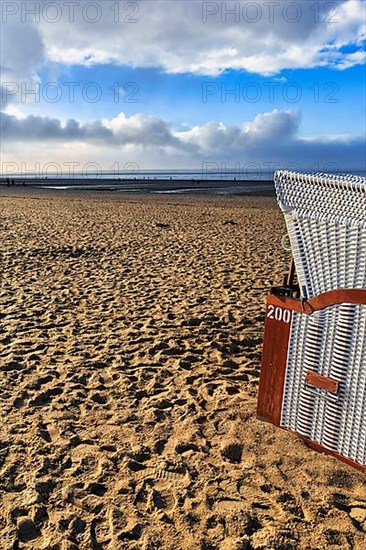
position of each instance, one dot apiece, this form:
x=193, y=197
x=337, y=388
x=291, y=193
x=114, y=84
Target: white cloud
x=172, y=36
x=22, y=54
x=22, y=50
x=140, y=130
x=277, y=124
x=150, y=142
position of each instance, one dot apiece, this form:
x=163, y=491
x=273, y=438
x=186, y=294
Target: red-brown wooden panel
x=274, y=358
x=322, y=301
x=322, y=382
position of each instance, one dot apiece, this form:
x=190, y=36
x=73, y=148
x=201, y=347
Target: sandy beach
x=130, y=345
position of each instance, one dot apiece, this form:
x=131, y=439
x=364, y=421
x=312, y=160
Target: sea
x=213, y=182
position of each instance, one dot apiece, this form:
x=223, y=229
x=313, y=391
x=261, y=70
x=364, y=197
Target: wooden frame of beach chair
x=280, y=313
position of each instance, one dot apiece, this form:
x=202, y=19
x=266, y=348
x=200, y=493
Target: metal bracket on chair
x=317, y=384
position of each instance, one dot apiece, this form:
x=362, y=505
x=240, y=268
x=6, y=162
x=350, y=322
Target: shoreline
x=156, y=187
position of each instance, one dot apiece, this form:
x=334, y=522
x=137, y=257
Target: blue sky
x=195, y=83
x=325, y=96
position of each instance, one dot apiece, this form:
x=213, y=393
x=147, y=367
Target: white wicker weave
x=326, y=221
x=331, y=342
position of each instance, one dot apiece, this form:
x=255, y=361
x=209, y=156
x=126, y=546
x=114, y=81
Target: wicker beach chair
x=313, y=377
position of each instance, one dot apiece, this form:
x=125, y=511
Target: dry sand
x=130, y=350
